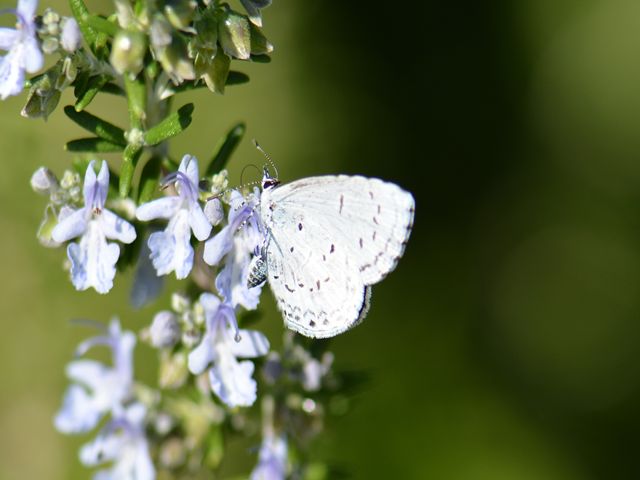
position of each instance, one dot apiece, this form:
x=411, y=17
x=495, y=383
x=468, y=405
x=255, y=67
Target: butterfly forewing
x=328, y=239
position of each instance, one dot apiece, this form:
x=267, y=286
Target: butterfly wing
x=329, y=239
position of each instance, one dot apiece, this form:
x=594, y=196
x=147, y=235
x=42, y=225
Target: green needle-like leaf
x=80, y=11
x=97, y=126
x=170, y=126
x=113, y=89
x=96, y=40
x=86, y=91
x=102, y=25
x=149, y=179
x=92, y=145
x=225, y=148
x=130, y=159
x=137, y=97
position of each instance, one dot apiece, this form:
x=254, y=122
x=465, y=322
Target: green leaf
x=85, y=92
x=170, y=126
x=261, y=58
x=97, y=126
x=225, y=148
x=97, y=41
x=149, y=179
x=137, y=98
x=259, y=43
x=92, y=145
x=113, y=89
x=80, y=12
x=102, y=25
x=130, y=159
x=218, y=80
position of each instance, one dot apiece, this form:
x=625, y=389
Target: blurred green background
x=505, y=345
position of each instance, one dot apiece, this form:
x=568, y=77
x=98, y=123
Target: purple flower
x=123, y=442
x=219, y=349
x=272, y=459
x=239, y=240
x=171, y=249
x=93, y=259
x=97, y=388
x=23, y=50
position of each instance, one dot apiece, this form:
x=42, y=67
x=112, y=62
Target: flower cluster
x=217, y=378
x=100, y=391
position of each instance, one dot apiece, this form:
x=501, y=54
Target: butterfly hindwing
x=329, y=238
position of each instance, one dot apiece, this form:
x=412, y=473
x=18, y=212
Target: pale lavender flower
x=23, y=50
x=315, y=370
x=93, y=259
x=171, y=249
x=272, y=459
x=219, y=349
x=122, y=442
x=98, y=389
x=239, y=241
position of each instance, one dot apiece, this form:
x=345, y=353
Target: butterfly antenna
x=248, y=184
x=266, y=155
x=242, y=173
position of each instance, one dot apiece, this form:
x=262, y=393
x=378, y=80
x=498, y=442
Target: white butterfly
x=328, y=239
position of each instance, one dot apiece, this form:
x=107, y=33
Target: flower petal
x=116, y=228
x=171, y=250
x=210, y=303
x=189, y=166
x=218, y=246
x=8, y=37
x=11, y=75
x=93, y=260
x=164, y=207
x=27, y=9
x=252, y=344
x=231, y=381
x=199, y=223
x=105, y=447
x=90, y=373
x=89, y=185
x=32, y=58
x=103, y=178
x=201, y=356
x=78, y=413
x=71, y=226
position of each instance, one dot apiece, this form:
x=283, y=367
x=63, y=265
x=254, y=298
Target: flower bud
x=165, y=330
x=50, y=21
x=234, y=35
x=173, y=370
x=213, y=211
x=180, y=12
x=179, y=302
x=46, y=227
x=172, y=453
x=44, y=180
x=127, y=53
x=70, y=36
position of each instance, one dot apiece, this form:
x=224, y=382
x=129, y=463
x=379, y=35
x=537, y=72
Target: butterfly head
x=267, y=180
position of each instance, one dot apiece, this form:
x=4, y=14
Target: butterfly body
x=328, y=239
